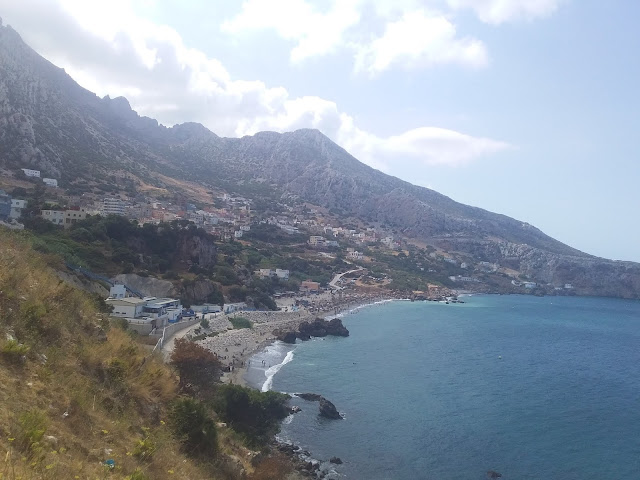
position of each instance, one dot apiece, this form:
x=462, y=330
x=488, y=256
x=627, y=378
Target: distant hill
x=49, y=122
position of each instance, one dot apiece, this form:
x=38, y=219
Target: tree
x=199, y=369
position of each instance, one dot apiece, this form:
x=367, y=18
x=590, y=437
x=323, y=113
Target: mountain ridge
x=48, y=121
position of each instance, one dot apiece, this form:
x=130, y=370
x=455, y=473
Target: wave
x=271, y=372
x=358, y=307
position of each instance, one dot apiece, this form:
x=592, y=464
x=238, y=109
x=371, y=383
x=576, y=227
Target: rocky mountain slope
x=49, y=122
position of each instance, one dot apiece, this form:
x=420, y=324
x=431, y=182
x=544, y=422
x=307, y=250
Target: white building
x=166, y=309
x=388, y=241
x=113, y=206
x=460, y=278
x=265, y=272
x=355, y=255
x=289, y=229
x=234, y=307
x=16, y=208
x=31, y=173
x=284, y=274
x=238, y=233
x=131, y=307
x=117, y=291
x=50, y=182
x=54, y=216
x=206, y=308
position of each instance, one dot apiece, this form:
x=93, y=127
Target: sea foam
x=271, y=372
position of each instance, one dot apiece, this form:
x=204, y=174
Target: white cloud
x=419, y=38
x=426, y=145
x=412, y=37
x=163, y=78
x=500, y=11
x=314, y=32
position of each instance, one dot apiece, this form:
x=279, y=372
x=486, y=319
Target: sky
x=529, y=108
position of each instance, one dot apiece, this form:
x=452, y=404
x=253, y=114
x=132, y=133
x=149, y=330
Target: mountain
x=49, y=122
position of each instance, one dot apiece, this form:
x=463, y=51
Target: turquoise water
x=534, y=388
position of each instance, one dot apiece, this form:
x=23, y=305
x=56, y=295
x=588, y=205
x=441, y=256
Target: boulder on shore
x=284, y=336
x=317, y=328
x=336, y=328
x=322, y=328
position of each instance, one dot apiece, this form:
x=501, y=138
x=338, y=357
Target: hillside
x=76, y=391
x=50, y=123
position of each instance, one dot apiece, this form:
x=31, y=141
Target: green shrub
x=241, y=322
x=204, y=323
x=30, y=429
x=116, y=370
x=254, y=414
x=144, y=449
x=13, y=350
x=193, y=427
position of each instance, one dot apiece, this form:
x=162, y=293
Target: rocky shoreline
x=234, y=347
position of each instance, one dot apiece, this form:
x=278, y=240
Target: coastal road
x=334, y=283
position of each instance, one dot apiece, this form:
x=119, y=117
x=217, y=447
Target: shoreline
x=351, y=307
x=234, y=347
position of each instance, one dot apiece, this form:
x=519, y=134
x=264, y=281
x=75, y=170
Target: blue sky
x=523, y=107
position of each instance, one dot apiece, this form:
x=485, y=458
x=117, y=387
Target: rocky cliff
x=49, y=122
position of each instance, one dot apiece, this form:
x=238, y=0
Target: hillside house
x=16, y=208
x=31, y=173
x=50, y=182
x=265, y=273
x=355, y=255
x=54, y=216
x=316, y=240
x=281, y=273
x=112, y=206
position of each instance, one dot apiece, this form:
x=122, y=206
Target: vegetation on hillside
x=81, y=399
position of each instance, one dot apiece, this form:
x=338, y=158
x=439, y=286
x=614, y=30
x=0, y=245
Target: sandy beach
x=234, y=347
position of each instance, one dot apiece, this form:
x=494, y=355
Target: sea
x=529, y=387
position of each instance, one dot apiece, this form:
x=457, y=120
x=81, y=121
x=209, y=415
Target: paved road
x=334, y=283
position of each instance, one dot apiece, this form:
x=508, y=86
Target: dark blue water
x=534, y=388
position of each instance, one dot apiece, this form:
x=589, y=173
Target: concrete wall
x=172, y=328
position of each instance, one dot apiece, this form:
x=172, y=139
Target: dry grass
x=81, y=393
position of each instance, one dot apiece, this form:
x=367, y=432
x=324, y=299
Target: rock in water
x=311, y=397
x=492, y=474
x=322, y=328
x=328, y=409
x=335, y=460
x=335, y=327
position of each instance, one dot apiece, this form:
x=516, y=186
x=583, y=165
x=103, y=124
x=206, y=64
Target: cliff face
x=49, y=122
